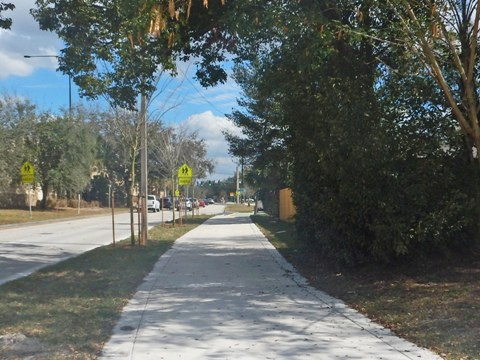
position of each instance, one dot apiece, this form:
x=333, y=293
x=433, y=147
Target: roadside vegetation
x=366, y=110
x=434, y=302
x=68, y=310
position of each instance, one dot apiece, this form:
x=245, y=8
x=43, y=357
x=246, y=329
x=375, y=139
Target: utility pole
x=143, y=171
x=242, y=184
x=237, y=192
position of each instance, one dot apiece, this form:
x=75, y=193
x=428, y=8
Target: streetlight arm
x=35, y=56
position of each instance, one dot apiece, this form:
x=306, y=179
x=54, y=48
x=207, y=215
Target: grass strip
x=434, y=303
x=16, y=216
x=68, y=310
x=241, y=208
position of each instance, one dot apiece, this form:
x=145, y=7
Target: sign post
x=27, y=172
x=184, y=175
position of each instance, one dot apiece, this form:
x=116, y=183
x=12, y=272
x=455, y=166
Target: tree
x=116, y=48
x=263, y=144
x=5, y=23
x=131, y=39
x=166, y=148
x=439, y=39
x=194, y=152
x=369, y=165
x=16, y=121
x=443, y=35
x=120, y=130
x=322, y=86
x=172, y=147
x=64, y=151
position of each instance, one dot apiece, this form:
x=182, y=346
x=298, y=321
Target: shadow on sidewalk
x=227, y=220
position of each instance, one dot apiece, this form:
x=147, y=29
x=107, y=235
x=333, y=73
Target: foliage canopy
x=367, y=109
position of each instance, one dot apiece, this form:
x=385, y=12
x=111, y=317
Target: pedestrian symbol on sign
x=27, y=168
x=27, y=172
x=185, y=175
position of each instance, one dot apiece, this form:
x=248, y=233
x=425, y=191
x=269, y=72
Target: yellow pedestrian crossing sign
x=184, y=171
x=27, y=172
x=185, y=175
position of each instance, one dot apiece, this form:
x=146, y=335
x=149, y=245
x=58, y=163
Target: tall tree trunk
x=43, y=203
x=130, y=194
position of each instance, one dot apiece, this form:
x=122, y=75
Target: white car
x=184, y=204
x=153, y=204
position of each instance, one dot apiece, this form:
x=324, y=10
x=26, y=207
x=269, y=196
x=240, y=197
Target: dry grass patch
x=239, y=208
x=15, y=216
x=67, y=311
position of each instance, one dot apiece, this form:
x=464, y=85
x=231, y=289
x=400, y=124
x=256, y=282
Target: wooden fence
x=287, y=208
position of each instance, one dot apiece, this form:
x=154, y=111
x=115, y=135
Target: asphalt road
x=26, y=248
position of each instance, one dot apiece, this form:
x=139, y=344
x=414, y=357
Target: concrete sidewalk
x=224, y=292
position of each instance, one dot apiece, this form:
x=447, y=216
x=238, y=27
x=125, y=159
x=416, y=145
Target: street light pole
x=69, y=78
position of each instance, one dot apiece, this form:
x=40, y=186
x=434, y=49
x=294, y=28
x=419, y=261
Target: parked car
x=210, y=201
x=183, y=204
x=166, y=203
x=194, y=202
x=259, y=205
x=201, y=203
x=153, y=204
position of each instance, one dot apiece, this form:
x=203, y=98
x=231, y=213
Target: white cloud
x=210, y=128
x=12, y=67
x=25, y=38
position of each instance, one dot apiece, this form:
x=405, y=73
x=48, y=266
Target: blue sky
x=179, y=101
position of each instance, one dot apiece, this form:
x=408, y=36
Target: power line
x=200, y=93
